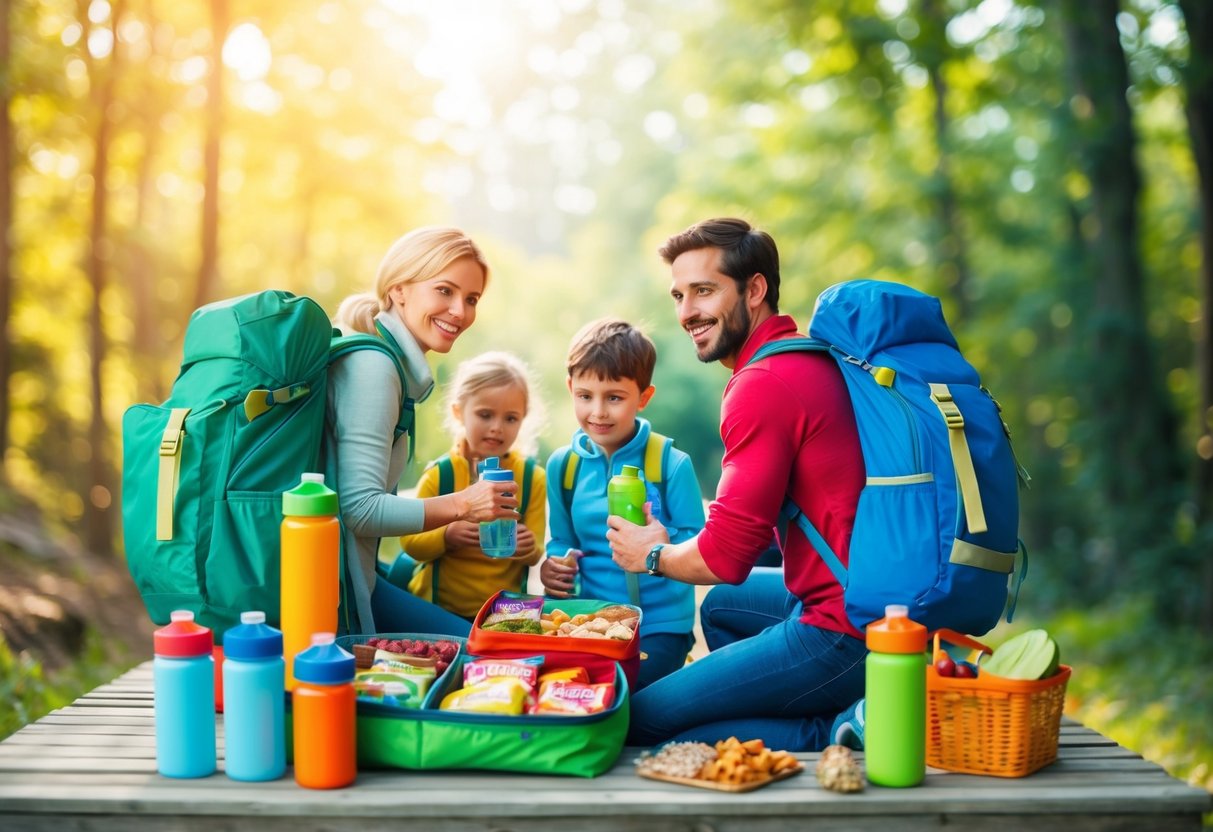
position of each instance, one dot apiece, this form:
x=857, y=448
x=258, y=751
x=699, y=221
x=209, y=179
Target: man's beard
x=734, y=329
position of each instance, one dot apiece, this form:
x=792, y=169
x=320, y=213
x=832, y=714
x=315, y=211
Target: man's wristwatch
x=652, y=561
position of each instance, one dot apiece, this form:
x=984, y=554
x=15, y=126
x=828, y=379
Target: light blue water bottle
x=254, y=694
x=498, y=538
x=183, y=694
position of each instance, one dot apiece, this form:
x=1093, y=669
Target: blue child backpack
x=203, y=473
x=938, y=520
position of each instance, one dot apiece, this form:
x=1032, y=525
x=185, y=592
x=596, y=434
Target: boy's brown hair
x=613, y=349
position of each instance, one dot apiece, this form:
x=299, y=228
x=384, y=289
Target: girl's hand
x=461, y=534
x=526, y=542
x=488, y=500
x=557, y=576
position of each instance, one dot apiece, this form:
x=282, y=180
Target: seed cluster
x=678, y=759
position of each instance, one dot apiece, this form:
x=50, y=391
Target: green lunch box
x=390, y=736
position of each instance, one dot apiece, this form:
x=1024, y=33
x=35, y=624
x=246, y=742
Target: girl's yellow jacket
x=466, y=576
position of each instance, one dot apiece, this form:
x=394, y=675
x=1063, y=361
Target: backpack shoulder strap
x=528, y=473
x=446, y=474
x=345, y=344
x=657, y=458
x=568, y=476
x=790, y=510
x=802, y=344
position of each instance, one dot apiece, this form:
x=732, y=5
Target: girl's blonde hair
x=416, y=257
x=485, y=372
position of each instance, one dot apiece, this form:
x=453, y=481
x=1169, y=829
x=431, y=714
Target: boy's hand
x=630, y=544
x=557, y=576
x=461, y=534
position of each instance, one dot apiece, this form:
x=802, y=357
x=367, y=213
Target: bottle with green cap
x=895, y=731
x=626, y=495
x=498, y=538
x=311, y=568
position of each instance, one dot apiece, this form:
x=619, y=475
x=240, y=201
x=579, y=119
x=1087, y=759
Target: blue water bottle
x=498, y=538
x=254, y=694
x=183, y=693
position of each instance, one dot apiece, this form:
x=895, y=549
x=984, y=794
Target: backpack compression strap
x=170, y=470
x=962, y=460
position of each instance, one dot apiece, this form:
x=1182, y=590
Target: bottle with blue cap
x=183, y=696
x=498, y=538
x=254, y=690
x=323, y=711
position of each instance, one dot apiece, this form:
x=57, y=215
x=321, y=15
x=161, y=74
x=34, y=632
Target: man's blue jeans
x=768, y=676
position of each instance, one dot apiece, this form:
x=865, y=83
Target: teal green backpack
x=203, y=473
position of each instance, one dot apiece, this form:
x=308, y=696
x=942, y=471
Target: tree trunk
x=1134, y=442
x=98, y=502
x=6, y=226
x=950, y=249
x=1198, y=16
x=208, y=277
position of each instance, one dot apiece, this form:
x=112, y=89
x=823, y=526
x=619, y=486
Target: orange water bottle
x=323, y=716
x=311, y=570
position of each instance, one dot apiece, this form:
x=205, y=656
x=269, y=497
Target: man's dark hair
x=745, y=251
x=613, y=350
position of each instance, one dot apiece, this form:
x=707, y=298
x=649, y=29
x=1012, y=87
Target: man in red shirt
x=786, y=665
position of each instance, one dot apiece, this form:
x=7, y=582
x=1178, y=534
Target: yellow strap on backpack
x=962, y=460
x=654, y=455
x=170, y=468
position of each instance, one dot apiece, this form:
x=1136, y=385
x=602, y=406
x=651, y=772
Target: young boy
x=610, y=366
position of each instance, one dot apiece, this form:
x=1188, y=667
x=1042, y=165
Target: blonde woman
x=425, y=296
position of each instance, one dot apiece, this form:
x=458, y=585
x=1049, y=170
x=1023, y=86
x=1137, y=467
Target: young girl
x=491, y=412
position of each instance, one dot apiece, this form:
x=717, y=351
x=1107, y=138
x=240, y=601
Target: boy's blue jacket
x=669, y=605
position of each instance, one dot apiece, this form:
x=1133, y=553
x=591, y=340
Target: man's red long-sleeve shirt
x=788, y=430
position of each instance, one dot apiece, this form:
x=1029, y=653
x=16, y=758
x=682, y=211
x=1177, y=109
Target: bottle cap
x=252, y=638
x=324, y=663
x=631, y=471
x=182, y=637
x=896, y=633
x=489, y=463
x=310, y=498
x=497, y=475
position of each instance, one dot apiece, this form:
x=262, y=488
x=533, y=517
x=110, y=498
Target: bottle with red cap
x=323, y=715
x=895, y=734
x=183, y=692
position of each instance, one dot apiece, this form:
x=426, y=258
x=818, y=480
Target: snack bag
x=574, y=698
x=477, y=670
x=499, y=695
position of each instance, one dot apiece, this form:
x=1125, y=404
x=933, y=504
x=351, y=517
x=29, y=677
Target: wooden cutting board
x=722, y=787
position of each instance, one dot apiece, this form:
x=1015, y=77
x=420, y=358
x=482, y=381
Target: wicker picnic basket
x=992, y=725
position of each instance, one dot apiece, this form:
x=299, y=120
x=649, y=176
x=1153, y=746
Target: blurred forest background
x=1044, y=167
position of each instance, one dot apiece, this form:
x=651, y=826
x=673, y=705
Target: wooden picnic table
x=92, y=765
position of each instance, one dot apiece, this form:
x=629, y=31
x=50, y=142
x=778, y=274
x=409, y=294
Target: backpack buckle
x=951, y=413
x=173, y=432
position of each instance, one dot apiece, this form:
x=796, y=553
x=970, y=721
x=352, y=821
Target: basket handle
x=953, y=637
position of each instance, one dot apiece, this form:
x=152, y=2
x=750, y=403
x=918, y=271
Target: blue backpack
x=938, y=520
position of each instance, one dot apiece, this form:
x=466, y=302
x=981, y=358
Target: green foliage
x=29, y=691
x=1143, y=684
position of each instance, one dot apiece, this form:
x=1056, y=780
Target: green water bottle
x=626, y=495
x=895, y=730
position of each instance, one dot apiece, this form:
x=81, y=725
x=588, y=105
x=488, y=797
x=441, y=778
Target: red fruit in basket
x=441, y=667
x=946, y=667
x=964, y=670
